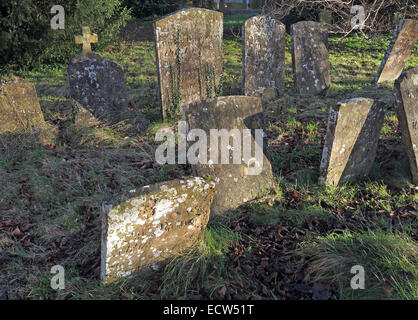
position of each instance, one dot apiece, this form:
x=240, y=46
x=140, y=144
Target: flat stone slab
x=399, y=51
x=406, y=95
x=310, y=58
x=263, y=66
x=19, y=107
x=156, y=222
x=234, y=183
x=99, y=86
x=189, y=57
x=351, y=141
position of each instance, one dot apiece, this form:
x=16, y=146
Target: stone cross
x=86, y=39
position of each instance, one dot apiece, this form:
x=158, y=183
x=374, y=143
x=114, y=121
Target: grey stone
x=351, y=141
x=399, y=51
x=264, y=41
x=99, y=86
x=155, y=223
x=310, y=59
x=189, y=57
x=235, y=185
x=406, y=95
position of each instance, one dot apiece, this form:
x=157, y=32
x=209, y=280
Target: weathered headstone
x=19, y=107
x=189, y=57
x=234, y=115
x=97, y=84
x=156, y=222
x=351, y=141
x=310, y=59
x=264, y=41
x=406, y=95
x=399, y=51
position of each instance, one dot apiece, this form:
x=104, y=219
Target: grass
x=53, y=194
x=389, y=260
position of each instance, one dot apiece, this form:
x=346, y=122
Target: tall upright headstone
x=264, y=41
x=153, y=224
x=189, y=57
x=97, y=84
x=233, y=126
x=406, y=95
x=19, y=107
x=399, y=51
x=351, y=141
x=310, y=58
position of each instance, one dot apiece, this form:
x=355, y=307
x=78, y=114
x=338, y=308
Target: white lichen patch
x=145, y=229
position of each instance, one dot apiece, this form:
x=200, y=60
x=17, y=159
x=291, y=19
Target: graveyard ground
x=296, y=242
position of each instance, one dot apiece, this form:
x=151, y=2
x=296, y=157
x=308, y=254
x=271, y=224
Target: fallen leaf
x=222, y=291
x=17, y=233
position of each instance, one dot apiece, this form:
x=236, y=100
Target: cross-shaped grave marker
x=86, y=39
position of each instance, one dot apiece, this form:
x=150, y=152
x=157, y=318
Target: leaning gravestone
x=189, y=57
x=97, y=84
x=239, y=175
x=156, y=222
x=406, y=95
x=351, y=141
x=310, y=59
x=263, y=65
x=19, y=107
x=399, y=51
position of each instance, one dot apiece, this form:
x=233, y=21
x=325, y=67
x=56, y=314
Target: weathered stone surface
x=19, y=107
x=400, y=49
x=99, y=86
x=189, y=57
x=156, y=222
x=263, y=65
x=406, y=95
x=310, y=59
x=234, y=185
x=351, y=141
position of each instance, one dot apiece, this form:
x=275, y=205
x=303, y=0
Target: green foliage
x=27, y=40
x=145, y=8
x=208, y=4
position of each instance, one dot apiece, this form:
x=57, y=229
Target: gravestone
x=263, y=65
x=189, y=57
x=97, y=84
x=399, y=51
x=351, y=141
x=238, y=179
x=19, y=107
x=406, y=95
x=156, y=222
x=310, y=59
